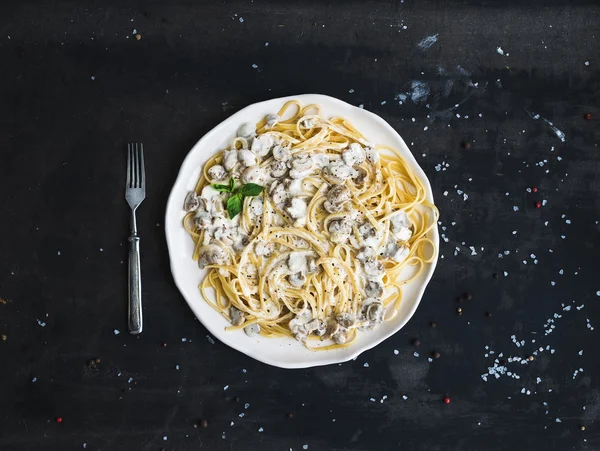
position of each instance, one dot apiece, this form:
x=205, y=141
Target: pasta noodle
x=307, y=230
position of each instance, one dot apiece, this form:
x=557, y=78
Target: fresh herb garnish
x=236, y=200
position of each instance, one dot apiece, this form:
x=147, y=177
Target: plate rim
x=214, y=329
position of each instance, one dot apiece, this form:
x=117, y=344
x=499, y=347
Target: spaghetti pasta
x=307, y=230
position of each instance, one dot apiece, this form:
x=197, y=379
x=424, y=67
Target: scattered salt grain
x=116, y=332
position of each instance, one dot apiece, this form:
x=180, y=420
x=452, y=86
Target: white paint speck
x=366, y=365
x=226, y=387
x=254, y=66
x=260, y=429
x=116, y=332
x=241, y=19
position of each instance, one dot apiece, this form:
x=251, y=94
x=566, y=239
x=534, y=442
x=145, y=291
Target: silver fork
x=135, y=193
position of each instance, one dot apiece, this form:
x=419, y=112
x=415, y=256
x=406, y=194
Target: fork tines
x=136, y=173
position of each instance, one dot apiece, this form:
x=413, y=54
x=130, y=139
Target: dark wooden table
x=76, y=86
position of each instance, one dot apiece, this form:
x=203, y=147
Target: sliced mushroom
x=281, y=153
x=339, y=226
x=401, y=225
x=272, y=120
x=367, y=230
x=246, y=130
x=211, y=254
x=396, y=251
x=346, y=320
x=230, y=159
x=316, y=325
x=375, y=312
x=374, y=288
x=338, y=172
x=278, y=193
x=340, y=337
x=252, y=330
x=217, y=172
x=254, y=174
x=247, y=158
x=262, y=145
x=302, y=166
x=361, y=176
x=354, y=155
x=278, y=169
x=338, y=194
x=191, y=202
x=331, y=328
x=330, y=207
x=374, y=267
x=340, y=230
x=236, y=316
x=297, y=280
x=366, y=253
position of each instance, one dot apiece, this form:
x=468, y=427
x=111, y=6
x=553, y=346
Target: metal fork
x=135, y=193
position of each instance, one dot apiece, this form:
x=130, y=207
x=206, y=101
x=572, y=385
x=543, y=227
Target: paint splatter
x=427, y=42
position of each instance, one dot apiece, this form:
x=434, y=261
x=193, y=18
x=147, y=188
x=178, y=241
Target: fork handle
x=135, y=286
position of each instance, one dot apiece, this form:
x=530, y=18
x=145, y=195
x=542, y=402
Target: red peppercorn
x=446, y=400
x=59, y=419
x=538, y=204
x=534, y=189
x=164, y=345
x=587, y=116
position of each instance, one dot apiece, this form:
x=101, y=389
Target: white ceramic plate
x=281, y=352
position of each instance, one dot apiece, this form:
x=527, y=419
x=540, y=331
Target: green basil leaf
x=231, y=184
x=234, y=205
x=221, y=188
x=251, y=189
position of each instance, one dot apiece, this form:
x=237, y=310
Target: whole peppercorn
x=459, y=311
x=203, y=424
x=531, y=358
x=59, y=420
x=433, y=324
x=467, y=145
x=436, y=355
x=446, y=400
x=538, y=204
x=587, y=116
x=416, y=342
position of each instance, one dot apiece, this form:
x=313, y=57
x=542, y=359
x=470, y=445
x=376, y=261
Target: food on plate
x=307, y=229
